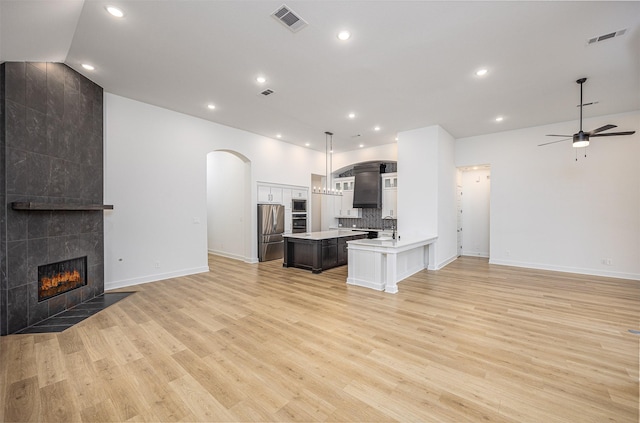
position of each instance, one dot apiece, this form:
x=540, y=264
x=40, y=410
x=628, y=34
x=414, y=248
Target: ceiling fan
x=581, y=138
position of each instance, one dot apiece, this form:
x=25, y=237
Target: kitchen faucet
x=393, y=225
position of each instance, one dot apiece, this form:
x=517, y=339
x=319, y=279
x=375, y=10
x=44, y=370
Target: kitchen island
x=381, y=263
x=318, y=251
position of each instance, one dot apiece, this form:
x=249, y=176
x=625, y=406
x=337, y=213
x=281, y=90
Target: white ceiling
x=408, y=64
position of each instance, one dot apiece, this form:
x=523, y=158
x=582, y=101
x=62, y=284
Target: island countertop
x=389, y=244
x=318, y=236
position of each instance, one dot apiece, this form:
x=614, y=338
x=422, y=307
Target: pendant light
x=328, y=180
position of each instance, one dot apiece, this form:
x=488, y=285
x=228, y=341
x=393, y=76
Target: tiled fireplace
x=63, y=276
x=51, y=170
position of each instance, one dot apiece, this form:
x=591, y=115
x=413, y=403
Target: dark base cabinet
x=329, y=253
x=342, y=250
x=316, y=254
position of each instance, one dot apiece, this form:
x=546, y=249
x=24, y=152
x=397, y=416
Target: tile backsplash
x=371, y=218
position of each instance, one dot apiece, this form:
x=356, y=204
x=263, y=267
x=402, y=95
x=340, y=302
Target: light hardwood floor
x=245, y=342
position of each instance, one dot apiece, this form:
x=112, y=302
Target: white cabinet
x=390, y=195
x=288, y=221
x=299, y=193
x=389, y=180
x=343, y=206
x=344, y=184
x=269, y=194
x=286, y=198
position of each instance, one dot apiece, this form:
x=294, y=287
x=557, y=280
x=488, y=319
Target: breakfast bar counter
x=318, y=251
x=381, y=263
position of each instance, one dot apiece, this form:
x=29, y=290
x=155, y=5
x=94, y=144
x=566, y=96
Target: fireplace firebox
x=63, y=276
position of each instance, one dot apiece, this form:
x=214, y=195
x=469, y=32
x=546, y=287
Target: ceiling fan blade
x=553, y=142
x=602, y=128
x=613, y=134
x=554, y=135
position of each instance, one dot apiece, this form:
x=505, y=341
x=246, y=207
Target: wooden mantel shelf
x=21, y=205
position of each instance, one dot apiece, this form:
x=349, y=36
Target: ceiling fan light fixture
x=580, y=139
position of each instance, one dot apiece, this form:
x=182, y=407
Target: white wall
x=549, y=211
x=476, y=188
x=427, y=191
x=446, y=247
x=226, y=205
x=155, y=176
x=418, y=183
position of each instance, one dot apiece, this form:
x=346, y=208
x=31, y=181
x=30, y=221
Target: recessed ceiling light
x=278, y=135
x=352, y=115
x=306, y=144
x=481, y=72
x=377, y=128
x=261, y=80
x=87, y=66
x=344, y=35
x=118, y=13
x=211, y=106
x=361, y=145
x=499, y=119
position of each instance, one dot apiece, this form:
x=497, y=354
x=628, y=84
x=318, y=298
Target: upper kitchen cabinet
x=299, y=193
x=343, y=206
x=390, y=195
x=344, y=184
x=389, y=180
x=269, y=194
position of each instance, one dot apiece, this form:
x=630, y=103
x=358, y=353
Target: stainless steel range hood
x=367, y=186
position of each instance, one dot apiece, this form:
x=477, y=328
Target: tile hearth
x=68, y=318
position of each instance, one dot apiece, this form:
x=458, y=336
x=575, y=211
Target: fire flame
x=59, y=279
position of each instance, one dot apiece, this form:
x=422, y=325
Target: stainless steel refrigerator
x=270, y=230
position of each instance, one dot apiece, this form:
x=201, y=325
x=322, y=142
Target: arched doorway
x=229, y=204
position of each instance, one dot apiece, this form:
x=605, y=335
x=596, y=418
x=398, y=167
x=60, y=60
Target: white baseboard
x=154, y=278
x=233, y=256
x=484, y=254
x=443, y=263
x=365, y=283
x=567, y=269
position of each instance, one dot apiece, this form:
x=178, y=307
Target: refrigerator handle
x=275, y=217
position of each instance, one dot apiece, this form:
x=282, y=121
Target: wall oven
x=299, y=223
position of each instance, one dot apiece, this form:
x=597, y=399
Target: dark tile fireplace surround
x=51, y=182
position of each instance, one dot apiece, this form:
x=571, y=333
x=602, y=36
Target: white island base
x=381, y=264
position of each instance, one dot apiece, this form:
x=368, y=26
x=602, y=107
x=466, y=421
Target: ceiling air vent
x=604, y=37
x=267, y=92
x=289, y=18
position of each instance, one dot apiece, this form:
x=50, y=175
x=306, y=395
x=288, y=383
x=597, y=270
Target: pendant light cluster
x=328, y=180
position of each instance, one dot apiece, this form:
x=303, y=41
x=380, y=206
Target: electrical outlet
x=608, y=261
x=156, y=265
